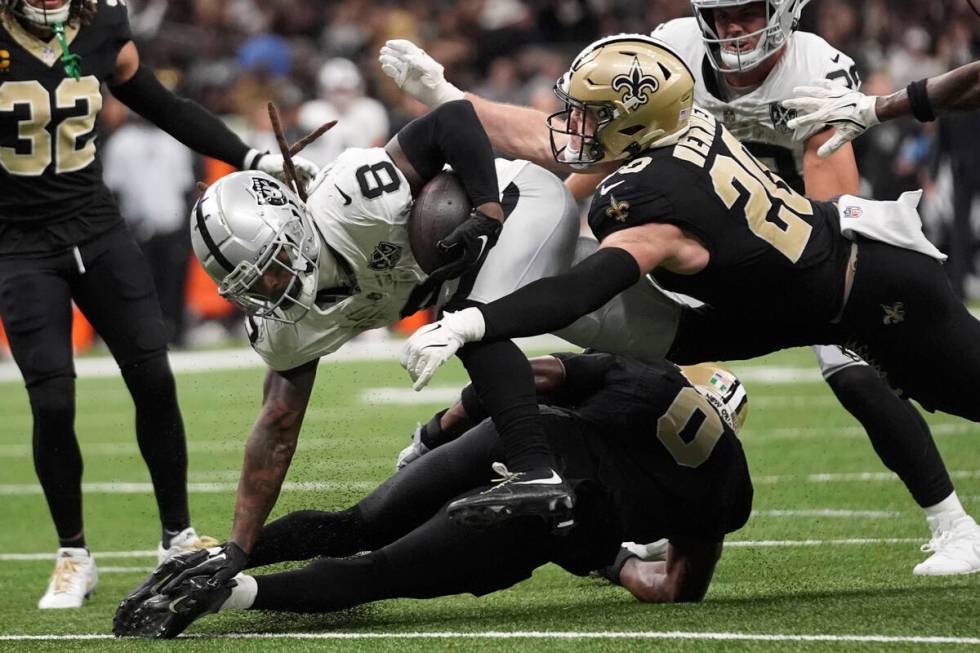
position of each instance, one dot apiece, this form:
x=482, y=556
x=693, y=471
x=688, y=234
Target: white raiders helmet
x=722, y=389
x=725, y=55
x=245, y=224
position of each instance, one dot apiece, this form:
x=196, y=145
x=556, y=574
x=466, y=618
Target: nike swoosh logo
x=554, y=480
x=606, y=189
x=174, y=603
x=483, y=246
x=347, y=198
x=835, y=58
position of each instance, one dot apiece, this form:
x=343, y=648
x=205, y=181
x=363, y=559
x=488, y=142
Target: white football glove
x=416, y=73
x=435, y=343
x=412, y=452
x=829, y=103
x=271, y=164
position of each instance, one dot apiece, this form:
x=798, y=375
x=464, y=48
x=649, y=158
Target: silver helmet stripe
x=209, y=241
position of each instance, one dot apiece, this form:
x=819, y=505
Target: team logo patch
x=619, y=211
x=385, y=256
x=780, y=116
x=894, y=314
x=267, y=192
x=853, y=212
x=633, y=84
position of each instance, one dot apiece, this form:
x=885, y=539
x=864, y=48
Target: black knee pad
x=150, y=377
x=53, y=401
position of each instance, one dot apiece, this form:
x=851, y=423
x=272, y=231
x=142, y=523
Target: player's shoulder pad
x=683, y=35
x=633, y=195
x=812, y=59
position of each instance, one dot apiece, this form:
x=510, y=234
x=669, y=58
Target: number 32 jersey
x=771, y=249
x=49, y=166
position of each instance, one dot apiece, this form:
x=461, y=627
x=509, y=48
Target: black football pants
x=117, y=296
x=415, y=550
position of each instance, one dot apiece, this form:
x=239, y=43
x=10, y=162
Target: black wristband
x=611, y=573
x=472, y=404
x=432, y=431
x=919, y=101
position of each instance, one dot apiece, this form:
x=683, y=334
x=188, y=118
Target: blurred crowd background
x=317, y=60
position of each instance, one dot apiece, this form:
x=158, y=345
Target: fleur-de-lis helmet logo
x=633, y=84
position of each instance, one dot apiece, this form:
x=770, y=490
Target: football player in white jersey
x=746, y=59
x=312, y=276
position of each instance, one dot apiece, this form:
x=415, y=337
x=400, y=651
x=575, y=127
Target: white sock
x=242, y=594
x=941, y=515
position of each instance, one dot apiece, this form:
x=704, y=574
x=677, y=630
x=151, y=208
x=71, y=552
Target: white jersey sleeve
x=360, y=207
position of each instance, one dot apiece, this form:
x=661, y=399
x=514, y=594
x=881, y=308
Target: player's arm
x=583, y=184
x=269, y=449
x=956, y=90
x=831, y=176
x=137, y=87
x=683, y=577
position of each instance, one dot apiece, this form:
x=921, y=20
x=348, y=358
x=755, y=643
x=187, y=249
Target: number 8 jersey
x=49, y=165
x=771, y=248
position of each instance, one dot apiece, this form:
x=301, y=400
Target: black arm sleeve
x=555, y=302
x=452, y=134
x=184, y=119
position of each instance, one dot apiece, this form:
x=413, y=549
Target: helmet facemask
x=292, y=251
x=582, y=146
x=42, y=16
x=726, y=54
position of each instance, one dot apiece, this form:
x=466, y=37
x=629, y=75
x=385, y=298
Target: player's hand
x=221, y=565
x=467, y=245
x=434, y=344
x=416, y=73
x=271, y=164
x=414, y=451
x=828, y=103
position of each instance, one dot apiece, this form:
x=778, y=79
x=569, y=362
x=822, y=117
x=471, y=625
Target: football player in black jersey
x=691, y=206
x=62, y=240
x=651, y=449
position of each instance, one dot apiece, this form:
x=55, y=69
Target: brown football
x=440, y=207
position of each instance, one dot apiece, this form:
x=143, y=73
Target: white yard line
x=827, y=512
x=742, y=544
x=197, y=488
x=546, y=635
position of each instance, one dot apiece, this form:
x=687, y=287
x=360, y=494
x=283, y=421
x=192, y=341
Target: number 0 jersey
x=49, y=164
x=771, y=248
x=757, y=118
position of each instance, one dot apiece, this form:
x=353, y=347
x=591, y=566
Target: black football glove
x=220, y=567
x=468, y=244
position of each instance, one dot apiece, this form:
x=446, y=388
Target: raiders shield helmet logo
x=267, y=192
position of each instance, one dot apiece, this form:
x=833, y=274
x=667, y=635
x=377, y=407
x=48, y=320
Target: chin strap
x=72, y=62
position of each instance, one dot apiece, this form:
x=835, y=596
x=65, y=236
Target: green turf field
x=828, y=556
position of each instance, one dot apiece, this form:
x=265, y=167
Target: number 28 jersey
x=770, y=247
x=49, y=165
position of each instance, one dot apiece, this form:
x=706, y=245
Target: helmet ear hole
x=629, y=131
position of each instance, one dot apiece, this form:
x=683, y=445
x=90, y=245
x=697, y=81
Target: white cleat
x=955, y=550
x=73, y=580
x=184, y=542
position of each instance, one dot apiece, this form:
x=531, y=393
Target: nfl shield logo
x=853, y=212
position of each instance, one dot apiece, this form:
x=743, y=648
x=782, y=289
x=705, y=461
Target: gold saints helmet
x=623, y=94
x=722, y=389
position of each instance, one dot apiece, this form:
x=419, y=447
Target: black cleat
x=122, y=622
x=164, y=616
x=537, y=493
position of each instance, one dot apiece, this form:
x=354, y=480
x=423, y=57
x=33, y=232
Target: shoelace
x=937, y=542
x=506, y=475
x=202, y=542
x=63, y=572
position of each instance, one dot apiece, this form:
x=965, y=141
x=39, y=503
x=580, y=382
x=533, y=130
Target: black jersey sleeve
x=452, y=133
x=625, y=200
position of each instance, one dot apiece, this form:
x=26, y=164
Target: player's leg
x=396, y=507
x=538, y=240
x=117, y=295
x=908, y=322
x=898, y=433
x=35, y=305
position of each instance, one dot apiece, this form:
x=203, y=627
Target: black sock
x=57, y=459
x=504, y=382
x=160, y=434
x=76, y=542
x=898, y=433
x=307, y=534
